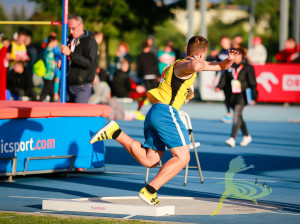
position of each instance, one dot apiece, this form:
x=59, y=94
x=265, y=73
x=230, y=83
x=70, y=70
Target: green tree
x=266, y=10
x=113, y=17
x=119, y=20
x=219, y=29
x=4, y=28
x=23, y=16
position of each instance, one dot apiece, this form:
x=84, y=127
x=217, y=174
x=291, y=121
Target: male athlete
x=163, y=127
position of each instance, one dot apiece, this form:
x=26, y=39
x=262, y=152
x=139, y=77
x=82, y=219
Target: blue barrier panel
x=58, y=136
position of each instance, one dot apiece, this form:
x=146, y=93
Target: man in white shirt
x=257, y=55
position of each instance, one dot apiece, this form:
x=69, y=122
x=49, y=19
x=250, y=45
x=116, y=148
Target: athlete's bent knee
x=186, y=158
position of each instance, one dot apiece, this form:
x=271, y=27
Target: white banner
x=208, y=82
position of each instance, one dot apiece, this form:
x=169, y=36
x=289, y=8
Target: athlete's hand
x=232, y=54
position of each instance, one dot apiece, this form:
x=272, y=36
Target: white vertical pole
x=251, y=23
x=203, y=8
x=284, y=23
x=190, y=11
x=296, y=20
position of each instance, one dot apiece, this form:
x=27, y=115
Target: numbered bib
x=236, y=86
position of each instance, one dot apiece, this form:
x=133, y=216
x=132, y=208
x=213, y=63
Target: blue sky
x=9, y=4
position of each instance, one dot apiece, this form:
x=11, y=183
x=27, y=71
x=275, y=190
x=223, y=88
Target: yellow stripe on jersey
x=171, y=90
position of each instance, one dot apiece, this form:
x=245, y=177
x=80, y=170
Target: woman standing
x=243, y=92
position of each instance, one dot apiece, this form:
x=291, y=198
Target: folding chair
x=193, y=145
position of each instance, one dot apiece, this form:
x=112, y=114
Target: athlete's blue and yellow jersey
x=171, y=90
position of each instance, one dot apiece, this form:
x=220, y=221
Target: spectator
x=147, y=67
x=122, y=52
x=102, y=95
x=19, y=83
x=165, y=57
x=223, y=54
x=175, y=50
x=237, y=41
x=5, y=44
x=82, y=54
x=241, y=77
x=32, y=53
x=285, y=55
x=184, y=55
x=225, y=46
x=213, y=55
x=49, y=59
x=121, y=80
x=257, y=55
x=295, y=57
x=104, y=76
x=57, y=72
x=17, y=51
x=153, y=48
x=99, y=38
x=101, y=91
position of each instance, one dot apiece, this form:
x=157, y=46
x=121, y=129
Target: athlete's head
x=197, y=45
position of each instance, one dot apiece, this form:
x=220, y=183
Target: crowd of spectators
x=28, y=73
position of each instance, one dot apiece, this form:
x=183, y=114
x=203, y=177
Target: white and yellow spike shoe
x=150, y=199
x=106, y=132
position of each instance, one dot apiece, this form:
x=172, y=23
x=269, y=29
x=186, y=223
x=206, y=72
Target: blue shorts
x=164, y=128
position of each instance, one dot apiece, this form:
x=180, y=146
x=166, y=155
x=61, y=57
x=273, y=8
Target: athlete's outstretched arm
x=223, y=65
x=188, y=66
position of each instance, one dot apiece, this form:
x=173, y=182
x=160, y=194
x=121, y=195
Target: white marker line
x=124, y=173
x=128, y=217
x=32, y=197
x=195, y=177
x=279, y=213
x=43, y=212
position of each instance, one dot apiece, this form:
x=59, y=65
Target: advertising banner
x=208, y=83
x=58, y=136
x=278, y=83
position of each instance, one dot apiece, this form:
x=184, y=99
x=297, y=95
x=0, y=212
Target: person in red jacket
x=285, y=55
x=3, y=51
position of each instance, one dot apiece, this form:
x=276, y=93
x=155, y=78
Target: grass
x=17, y=218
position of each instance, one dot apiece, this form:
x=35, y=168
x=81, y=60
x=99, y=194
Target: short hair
x=98, y=33
x=292, y=39
x=125, y=45
x=241, y=50
x=22, y=32
x=51, y=38
x=145, y=44
x=224, y=37
x=196, y=43
x=76, y=17
x=238, y=35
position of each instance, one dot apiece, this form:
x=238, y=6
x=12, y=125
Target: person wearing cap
x=257, y=54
